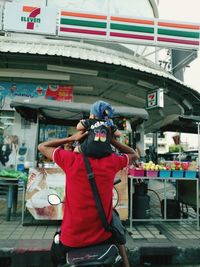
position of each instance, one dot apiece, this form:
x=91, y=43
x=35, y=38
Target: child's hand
x=78, y=136
x=117, y=133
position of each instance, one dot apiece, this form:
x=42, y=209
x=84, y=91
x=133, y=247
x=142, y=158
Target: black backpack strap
x=96, y=194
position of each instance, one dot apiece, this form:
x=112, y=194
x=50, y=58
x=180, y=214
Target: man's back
x=81, y=223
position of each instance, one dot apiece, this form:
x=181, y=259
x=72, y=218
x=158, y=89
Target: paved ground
x=148, y=242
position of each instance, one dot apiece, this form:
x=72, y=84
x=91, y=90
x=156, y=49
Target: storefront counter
x=41, y=183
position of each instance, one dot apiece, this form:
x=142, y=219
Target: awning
x=30, y=108
x=182, y=124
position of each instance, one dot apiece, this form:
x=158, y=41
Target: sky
x=187, y=11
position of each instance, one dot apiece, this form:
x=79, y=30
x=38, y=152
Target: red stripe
x=62, y=29
x=33, y=14
x=134, y=36
x=172, y=40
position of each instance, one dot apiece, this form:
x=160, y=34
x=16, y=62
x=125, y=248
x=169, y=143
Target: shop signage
x=51, y=92
x=148, y=31
x=59, y=93
x=82, y=24
x=155, y=99
x=32, y=19
x=102, y=26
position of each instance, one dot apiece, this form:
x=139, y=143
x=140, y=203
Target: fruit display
x=150, y=166
x=171, y=167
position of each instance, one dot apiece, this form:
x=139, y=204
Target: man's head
x=101, y=110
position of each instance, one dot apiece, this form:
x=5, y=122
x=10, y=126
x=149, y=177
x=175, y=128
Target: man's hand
x=47, y=148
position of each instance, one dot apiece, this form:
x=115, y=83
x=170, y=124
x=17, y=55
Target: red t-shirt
x=81, y=225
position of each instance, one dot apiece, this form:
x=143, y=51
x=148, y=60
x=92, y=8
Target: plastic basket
x=152, y=173
x=190, y=174
x=178, y=174
x=135, y=172
x=164, y=173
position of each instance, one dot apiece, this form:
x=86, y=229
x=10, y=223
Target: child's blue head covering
x=102, y=109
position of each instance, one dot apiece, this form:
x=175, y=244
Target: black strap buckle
x=91, y=175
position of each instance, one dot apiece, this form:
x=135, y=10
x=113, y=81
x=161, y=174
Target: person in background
x=81, y=225
x=99, y=127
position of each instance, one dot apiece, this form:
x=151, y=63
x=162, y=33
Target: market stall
x=56, y=119
x=174, y=200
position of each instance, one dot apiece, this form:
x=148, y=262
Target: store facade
x=74, y=58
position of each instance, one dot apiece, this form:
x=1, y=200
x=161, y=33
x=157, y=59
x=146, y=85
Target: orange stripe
x=28, y=8
x=82, y=15
x=142, y=21
x=175, y=25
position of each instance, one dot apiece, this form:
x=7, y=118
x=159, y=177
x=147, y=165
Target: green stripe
x=125, y=27
x=83, y=23
x=178, y=33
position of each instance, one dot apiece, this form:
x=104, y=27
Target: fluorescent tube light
x=33, y=74
x=136, y=98
x=72, y=70
x=4, y=117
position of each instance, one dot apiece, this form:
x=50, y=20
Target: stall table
x=132, y=178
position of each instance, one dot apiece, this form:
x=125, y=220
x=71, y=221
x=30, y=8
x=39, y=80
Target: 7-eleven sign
x=155, y=99
x=31, y=19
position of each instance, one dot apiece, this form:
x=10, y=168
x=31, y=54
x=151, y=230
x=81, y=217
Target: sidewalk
x=148, y=243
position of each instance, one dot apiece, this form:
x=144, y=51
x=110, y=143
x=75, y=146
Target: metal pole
x=197, y=202
x=131, y=204
x=198, y=127
x=180, y=146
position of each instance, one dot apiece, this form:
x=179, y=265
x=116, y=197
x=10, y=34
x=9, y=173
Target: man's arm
x=132, y=154
x=47, y=148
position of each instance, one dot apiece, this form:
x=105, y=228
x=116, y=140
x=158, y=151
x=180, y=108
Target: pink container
x=152, y=173
x=135, y=172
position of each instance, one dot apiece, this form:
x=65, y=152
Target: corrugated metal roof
x=84, y=51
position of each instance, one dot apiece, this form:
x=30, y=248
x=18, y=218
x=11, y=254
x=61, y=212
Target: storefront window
x=8, y=141
x=48, y=132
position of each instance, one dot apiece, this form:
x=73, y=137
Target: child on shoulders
x=100, y=127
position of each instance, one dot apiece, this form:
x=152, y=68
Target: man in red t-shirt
x=81, y=224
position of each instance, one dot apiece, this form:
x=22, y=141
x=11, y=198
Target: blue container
x=165, y=173
x=20, y=167
x=190, y=174
x=177, y=174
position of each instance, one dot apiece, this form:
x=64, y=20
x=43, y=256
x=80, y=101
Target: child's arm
x=80, y=126
x=115, y=131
